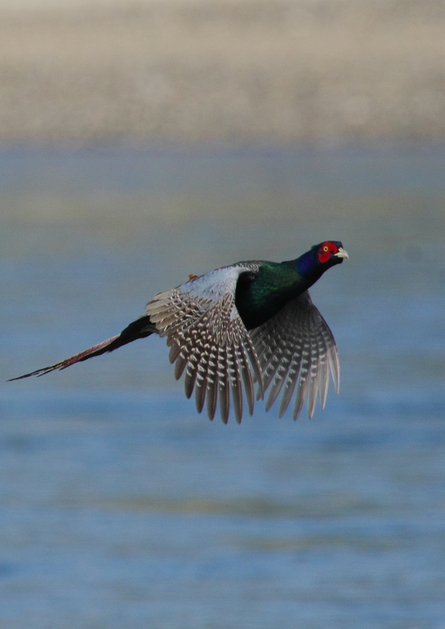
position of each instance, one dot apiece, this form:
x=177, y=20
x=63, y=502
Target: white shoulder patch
x=214, y=284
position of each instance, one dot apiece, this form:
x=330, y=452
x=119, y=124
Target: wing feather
x=291, y=381
x=296, y=351
x=314, y=376
x=246, y=375
x=212, y=382
x=235, y=383
x=324, y=370
x=209, y=342
x=224, y=391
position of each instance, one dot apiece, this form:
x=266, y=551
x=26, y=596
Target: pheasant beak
x=341, y=253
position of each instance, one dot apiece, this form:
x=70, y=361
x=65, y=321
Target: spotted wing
x=209, y=341
x=296, y=350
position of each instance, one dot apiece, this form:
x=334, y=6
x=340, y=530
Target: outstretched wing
x=296, y=350
x=208, y=339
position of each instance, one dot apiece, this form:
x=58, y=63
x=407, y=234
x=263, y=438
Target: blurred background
x=143, y=141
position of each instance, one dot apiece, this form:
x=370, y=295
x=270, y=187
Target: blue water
x=123, y=508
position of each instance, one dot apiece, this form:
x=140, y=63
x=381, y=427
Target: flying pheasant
x=251, y=323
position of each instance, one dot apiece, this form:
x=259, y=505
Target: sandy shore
x=232, y=71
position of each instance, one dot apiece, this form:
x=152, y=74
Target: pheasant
x=240, y=326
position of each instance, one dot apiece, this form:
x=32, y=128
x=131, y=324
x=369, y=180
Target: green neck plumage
x=268, y=293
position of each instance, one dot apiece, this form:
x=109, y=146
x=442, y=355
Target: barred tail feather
x=138, y=329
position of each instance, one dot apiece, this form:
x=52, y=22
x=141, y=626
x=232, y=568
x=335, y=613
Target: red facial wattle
x=326, y=250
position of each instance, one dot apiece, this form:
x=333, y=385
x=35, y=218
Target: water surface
x=120, y=506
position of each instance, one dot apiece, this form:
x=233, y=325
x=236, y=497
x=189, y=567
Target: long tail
x=138, y=329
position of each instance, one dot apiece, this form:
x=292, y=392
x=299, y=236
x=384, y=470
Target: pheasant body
x=251, y=324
